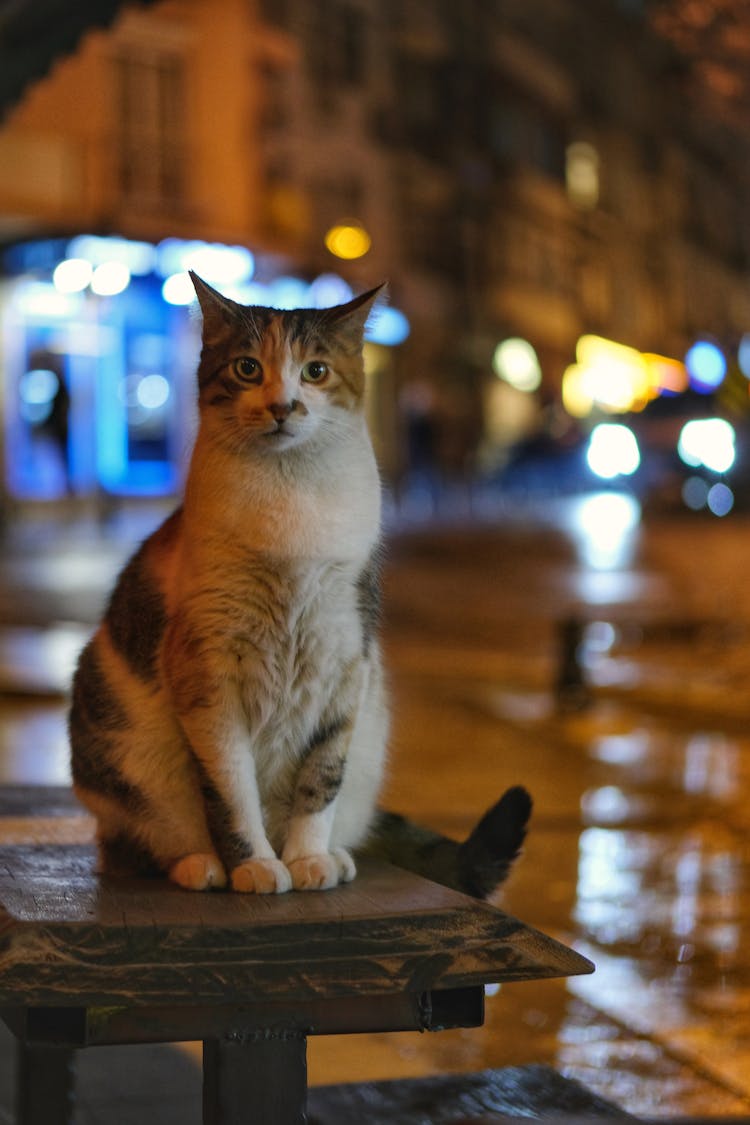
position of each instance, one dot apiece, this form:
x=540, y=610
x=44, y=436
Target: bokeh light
x=695, y=493
x=152, y=391
x=667, y=376
x=582, y=174
x=348, y=240
x=219, y=265
x=576, y=395
x=612, y=451
x=215, y=262
x=37, y=389
x=604, y=524
x=139, y=257
x=743, y=355
x=387, y=326
x=329, y=289
x=706, y=366
x=72, y=276
x=178, y=289
x=110, y=278
x=708, y=442
x=516, y=361
x=720, y=499
x=609, y=376
x=288, y=293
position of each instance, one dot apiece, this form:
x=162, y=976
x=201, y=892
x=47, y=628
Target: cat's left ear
x=219, y=313
x=350, y=319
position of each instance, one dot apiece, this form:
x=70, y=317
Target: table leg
x=258, y=1080
x=44, y=1085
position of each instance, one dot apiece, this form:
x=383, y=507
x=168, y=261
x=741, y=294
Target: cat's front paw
x=198, y=872
x=261, y=877
x=321, y=872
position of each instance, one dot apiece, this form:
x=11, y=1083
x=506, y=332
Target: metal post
x=44, y=1085
x=255, y=1080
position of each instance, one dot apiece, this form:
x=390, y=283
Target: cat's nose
x=280, y=411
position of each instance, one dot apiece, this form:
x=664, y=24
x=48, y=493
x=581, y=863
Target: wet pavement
x=638, y=853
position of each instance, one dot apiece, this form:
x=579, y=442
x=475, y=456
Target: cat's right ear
x=219, y=313
x=350, y=319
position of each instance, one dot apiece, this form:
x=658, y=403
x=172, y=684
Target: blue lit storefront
x=98, y=350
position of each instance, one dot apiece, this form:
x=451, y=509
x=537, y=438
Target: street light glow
x=110, y=278
x=178, y=289
x=72, y=275
x=709, y=442
x=611, y=376
x=516, y=362
x=706, y=366
x=612, y=451
x=348, y=240
x=387, y=326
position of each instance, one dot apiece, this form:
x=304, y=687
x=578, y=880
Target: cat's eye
x=315, y=372
x=247, y=369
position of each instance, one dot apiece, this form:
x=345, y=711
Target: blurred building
x=531, y=169
x=527, y=170
x=143, y=131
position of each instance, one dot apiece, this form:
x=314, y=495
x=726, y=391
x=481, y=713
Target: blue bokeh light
x=706, y=366
x=387, y=326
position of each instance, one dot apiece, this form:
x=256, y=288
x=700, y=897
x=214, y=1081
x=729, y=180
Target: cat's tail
x=477, y=866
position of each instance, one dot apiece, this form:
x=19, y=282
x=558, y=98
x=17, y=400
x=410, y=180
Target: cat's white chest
x=336, y=516
x=326, y=507
x=317, y=635
x=333, y=526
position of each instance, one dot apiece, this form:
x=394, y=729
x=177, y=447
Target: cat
x=229, y=718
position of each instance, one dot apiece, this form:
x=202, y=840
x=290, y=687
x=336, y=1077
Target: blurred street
x=564, y=645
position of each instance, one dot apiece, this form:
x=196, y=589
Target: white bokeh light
x=612, y=451
x=709, y=442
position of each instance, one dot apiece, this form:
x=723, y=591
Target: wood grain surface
x=69, y=937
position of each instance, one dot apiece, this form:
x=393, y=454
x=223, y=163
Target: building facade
x=531, y=169
x=524, y=170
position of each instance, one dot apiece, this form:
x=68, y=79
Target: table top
x=70, y=937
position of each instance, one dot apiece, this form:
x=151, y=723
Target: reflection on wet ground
x=639, y=850
x=639, y=856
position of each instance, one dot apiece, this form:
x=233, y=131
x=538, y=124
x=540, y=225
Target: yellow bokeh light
x=576, y=398
x=616, y=379
x=348, y=241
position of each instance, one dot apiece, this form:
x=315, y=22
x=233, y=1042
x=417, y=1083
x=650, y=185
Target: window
x=522, y=134
x=424, y=96
x=151, y=123
x=336, y=51
x=275, y=86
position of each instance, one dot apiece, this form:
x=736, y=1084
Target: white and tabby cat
x=229, y=720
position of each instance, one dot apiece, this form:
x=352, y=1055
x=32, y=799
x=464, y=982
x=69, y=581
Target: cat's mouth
x=280, y=431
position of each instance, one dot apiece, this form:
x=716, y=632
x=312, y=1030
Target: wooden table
x=86, y=961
